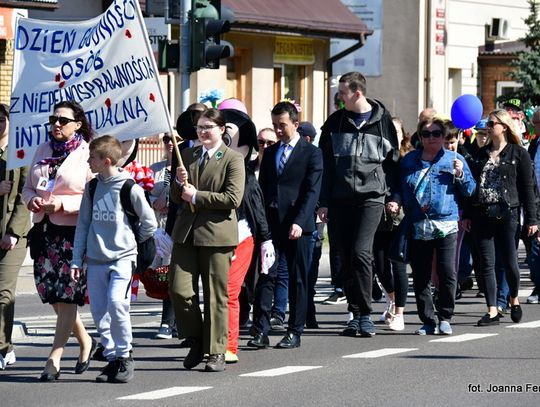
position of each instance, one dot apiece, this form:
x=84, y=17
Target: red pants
x=237, y=273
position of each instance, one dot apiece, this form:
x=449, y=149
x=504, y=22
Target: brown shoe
x=215, y=363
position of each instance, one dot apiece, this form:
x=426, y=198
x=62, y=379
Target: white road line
x=463, y=338
x=532, y=324
x=163, y=393
x=380, y=353
x=280, y=371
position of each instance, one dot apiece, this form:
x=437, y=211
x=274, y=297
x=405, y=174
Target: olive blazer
x=219, y=192
x=18, y=216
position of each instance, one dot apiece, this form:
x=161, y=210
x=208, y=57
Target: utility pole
x=185, y=54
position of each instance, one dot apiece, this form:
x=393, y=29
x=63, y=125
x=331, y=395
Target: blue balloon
x=466, y=111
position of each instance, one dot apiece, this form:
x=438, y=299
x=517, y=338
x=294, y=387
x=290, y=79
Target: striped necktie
x=283, y=159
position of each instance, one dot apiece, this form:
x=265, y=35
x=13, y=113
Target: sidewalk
x=25, y=281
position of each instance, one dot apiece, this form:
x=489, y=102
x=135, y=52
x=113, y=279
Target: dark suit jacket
x=296, y=190
x=219, y=192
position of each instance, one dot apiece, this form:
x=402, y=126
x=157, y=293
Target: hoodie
x=359, y=162
x=103, y=231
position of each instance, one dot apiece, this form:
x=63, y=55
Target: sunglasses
x=266, y=143
x=428, y=134
x=168, y=139
x=492, y=123
x=60, y=119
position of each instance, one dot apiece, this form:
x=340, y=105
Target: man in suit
x=210, y=186
x=290, y=178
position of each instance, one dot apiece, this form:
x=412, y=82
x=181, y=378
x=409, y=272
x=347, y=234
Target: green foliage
x=527, y=62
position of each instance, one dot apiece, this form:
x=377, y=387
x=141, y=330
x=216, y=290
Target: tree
x=527, y=62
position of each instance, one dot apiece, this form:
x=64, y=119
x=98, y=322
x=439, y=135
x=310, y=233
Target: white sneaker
x=9, y=359
x=164, y=332
x=396, y=323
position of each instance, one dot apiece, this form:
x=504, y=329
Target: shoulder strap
x=92, y=184
x=125, y=200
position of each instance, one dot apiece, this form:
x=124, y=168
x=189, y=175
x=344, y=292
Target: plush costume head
x=241, y=134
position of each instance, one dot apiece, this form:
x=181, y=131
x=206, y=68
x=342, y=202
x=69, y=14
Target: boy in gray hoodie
x=104, y=240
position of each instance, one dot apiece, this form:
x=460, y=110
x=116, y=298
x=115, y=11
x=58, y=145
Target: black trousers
x=422, y=252
x=392, y=274
x=357, y=225
x=297, y=254
x=492, y=234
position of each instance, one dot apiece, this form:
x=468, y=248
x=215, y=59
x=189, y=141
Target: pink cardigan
x=69, y=184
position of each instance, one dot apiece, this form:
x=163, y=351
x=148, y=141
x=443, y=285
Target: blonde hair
x=107, y=147
x=504, y=117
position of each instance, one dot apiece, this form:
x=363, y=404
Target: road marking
x=163, y=393
x=280, y=371
x=380, y=353
x=463, y=338
x=532, y=324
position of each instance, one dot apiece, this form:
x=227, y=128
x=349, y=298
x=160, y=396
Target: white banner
x=105, y=64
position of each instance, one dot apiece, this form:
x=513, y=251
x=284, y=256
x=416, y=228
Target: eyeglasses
x=428, y=134
x=266, y=143
x=202, y=129
x=168, y=139
x=60, y=119
x=492, y=123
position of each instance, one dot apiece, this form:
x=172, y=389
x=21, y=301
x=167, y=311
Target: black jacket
x=354, y=157
x=297, y=189
x=517, y=178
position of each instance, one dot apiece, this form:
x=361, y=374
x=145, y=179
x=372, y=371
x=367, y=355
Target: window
x=507, y=88
x=290, y=83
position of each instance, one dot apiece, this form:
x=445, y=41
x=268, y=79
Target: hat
x=306, y=129
x=481, y=125
x=513, y=104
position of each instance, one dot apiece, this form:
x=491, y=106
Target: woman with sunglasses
x=53, y=192
x=504, y=174
x=433, y=179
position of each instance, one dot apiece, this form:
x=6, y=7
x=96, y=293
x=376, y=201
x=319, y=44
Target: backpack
x=146, y=251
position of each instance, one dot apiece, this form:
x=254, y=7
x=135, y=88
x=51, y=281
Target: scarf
x=61, y=149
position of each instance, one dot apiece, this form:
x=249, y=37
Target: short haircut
x=355, y=81
x=286, y=107
x=107, y=147
x=435, y=120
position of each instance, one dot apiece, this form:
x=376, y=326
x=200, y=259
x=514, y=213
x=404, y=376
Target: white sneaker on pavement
x=396, y=323
x=9, y=359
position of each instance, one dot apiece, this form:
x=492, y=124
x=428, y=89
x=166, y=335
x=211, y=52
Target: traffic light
x=206, y=28
x=168, y=55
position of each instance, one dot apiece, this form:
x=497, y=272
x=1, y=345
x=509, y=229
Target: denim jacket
x=446, y=189
x=517, y=178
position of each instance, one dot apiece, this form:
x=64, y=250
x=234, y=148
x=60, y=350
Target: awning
x=326, y=18
x=30, y=4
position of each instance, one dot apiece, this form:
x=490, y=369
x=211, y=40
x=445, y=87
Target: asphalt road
x=390, y=369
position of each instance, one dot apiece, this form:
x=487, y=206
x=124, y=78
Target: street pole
x=185, y=54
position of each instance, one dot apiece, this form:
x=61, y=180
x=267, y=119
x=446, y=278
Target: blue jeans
x=281, y=289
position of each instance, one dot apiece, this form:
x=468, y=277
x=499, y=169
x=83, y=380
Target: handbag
x=399, y=247
x=156, y=282
x=35, y=240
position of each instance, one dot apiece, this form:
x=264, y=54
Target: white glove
x=268, y=256
x=164, y=243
